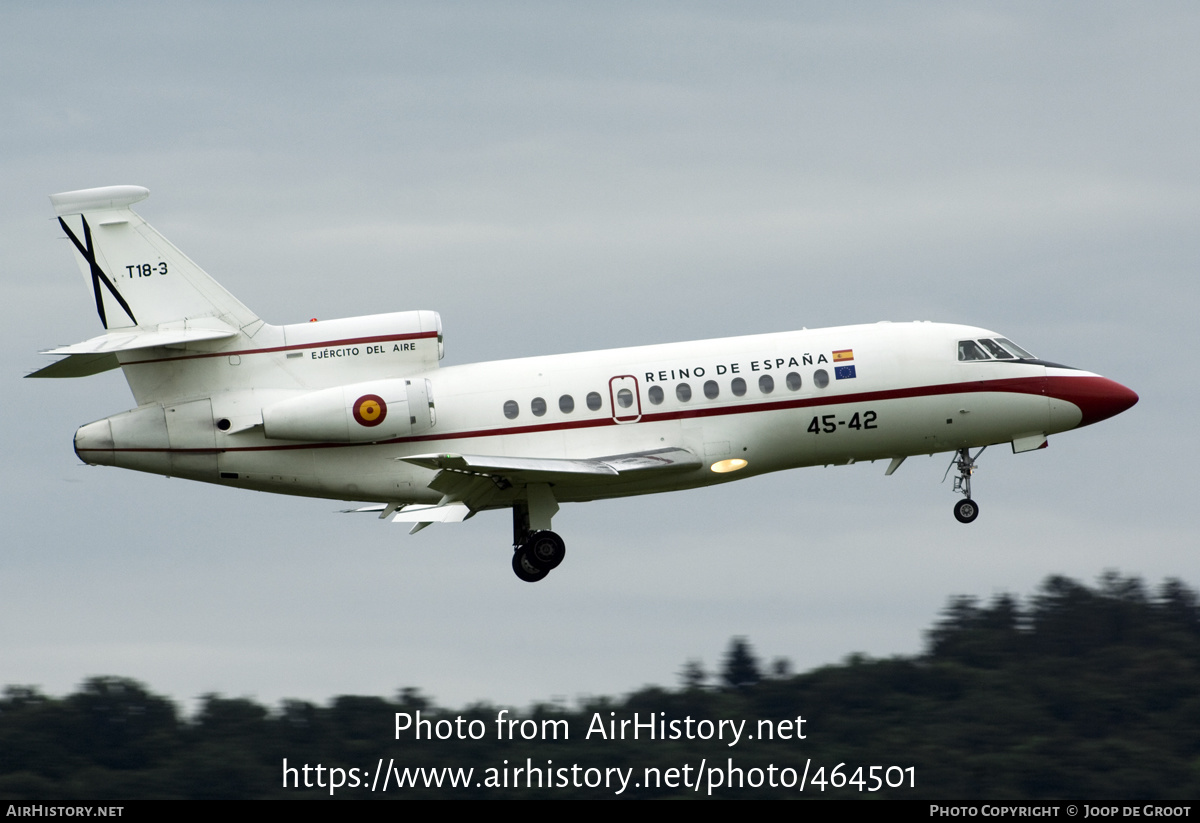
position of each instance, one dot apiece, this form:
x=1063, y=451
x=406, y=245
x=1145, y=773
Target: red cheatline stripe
x=349, y=341
x=1017, y=385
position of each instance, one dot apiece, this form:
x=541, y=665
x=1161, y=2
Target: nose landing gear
x=965, y=511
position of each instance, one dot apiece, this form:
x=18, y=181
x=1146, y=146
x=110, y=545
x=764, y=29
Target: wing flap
x=441, y=513
x=661, y=460
x=489, y=464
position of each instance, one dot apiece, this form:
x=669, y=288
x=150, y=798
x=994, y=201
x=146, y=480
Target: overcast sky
x=555, y=177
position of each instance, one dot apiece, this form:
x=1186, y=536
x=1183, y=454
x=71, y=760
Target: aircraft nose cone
x=1098, y=398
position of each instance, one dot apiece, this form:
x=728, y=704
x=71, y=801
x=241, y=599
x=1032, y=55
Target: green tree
x=741, y=667
x=693, y=675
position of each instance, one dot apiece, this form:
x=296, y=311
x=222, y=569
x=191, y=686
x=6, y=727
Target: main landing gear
x=538, y=556
x=536, y=550
x=965, y=511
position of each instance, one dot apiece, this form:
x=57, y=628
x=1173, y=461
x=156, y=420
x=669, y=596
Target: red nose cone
x=1098, y=398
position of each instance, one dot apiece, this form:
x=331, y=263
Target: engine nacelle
x=395, y=344
x=358, y=413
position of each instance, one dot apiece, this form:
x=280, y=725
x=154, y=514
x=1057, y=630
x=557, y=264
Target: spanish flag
x=843, y=354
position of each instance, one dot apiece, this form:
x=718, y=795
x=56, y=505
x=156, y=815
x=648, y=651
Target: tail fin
x=179, y=336
x=139, y=279
x=148, y=293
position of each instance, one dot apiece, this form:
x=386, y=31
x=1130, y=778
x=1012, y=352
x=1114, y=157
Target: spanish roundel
x=369, y=410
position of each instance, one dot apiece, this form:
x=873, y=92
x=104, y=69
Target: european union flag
x=844, y=372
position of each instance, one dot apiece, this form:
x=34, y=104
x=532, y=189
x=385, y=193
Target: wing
x=517, y=470
x=470, y=482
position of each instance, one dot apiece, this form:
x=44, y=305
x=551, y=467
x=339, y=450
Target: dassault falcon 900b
x=358, y=408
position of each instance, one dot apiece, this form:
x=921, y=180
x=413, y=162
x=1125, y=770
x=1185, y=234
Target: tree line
x=1075, y=691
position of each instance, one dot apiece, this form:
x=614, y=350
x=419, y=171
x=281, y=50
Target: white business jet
x=358, y=409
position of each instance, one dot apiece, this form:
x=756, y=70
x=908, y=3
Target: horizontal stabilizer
x=128, y=340
x=78, y=365
x=100, y=353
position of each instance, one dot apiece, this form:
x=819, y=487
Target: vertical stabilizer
x=139, y=280
x=179, y=337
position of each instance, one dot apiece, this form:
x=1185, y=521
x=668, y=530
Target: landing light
x=732, y=465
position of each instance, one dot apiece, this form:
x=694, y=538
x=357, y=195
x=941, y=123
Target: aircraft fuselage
x=776, y=401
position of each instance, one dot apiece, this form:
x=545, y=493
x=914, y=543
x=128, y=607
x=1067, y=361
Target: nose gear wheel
x=965, y=511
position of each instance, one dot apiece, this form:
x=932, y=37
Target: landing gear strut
x=965, y=511
x=536, y=549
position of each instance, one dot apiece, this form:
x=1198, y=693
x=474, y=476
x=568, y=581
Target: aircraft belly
x=1064, y=415
x=1002, y=416
x=692, y=480
x=971, y=419
x=373, y=473
x=291, y=471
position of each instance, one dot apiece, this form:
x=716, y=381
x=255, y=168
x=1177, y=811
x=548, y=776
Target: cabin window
x=684, y=392
x=593, y=400
x=566, y=404
x=538, y=406
x=711, y=389
x=624, y=398
x=970, y=350
x=738, y=387
x=656, y=394
x=511, y=409
x=794, y=382
x=821, y=378
x=766, y=384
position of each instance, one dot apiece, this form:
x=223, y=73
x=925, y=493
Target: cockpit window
x=995, y=350
x=986, y=349
x=970, y=350
x=1015, y=349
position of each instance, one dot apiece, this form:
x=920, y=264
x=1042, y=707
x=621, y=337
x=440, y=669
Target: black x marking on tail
x=98, y=275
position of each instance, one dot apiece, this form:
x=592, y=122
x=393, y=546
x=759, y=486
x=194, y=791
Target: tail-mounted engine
x=358, y=413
